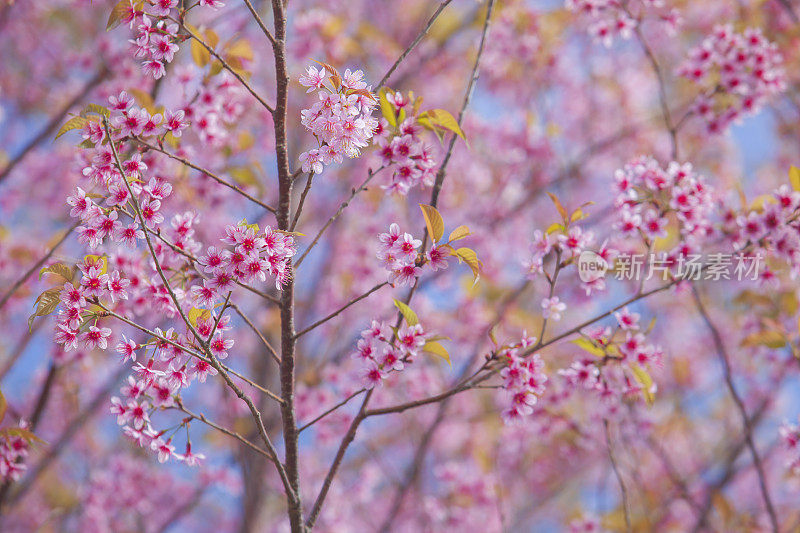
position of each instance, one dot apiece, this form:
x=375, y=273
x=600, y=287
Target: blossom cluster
x=156, y=32
x=609, y=19
x=523, y=378
x=400, y=255
x=568, y=242
x=255, y=255
x=738, y=73
x=341, y=120
x=402, y=148
x=75, y=319
x=382, y=350
x=790, y=435
x=650, y=197
x=769, y=230
x=121, y=490
x=625, y=344
x=219, y=105
x=14, y=450
x=172, y=364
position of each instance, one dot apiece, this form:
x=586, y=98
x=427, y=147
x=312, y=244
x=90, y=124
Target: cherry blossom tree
x=496, y=265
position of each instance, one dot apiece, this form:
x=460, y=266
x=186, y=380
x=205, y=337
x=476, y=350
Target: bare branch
x=260, y=23
x=341, y=309
x=54, y=122
x=202, y=418
x=413, y=44
x=737, y=399
x=207, y=173
x=337, y=461
x=342, y=207
x=225, y=65
x=622, y=488
x=36, y=266
x=264, y=341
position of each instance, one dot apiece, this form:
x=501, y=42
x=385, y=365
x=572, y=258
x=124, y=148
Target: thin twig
x=413, y=44
x=216, y=364
x=724, y=358
x=342, y=207
x=302, y=201
x=337, y=461
x=36, y=266
x=260, y=23
x=341, y=309
x=623, y=490
x=331, y=410
x=208, y=173
x=437, y=187
x=225, y=65
x=54, y=122
x=263, y=339
x=202, y=418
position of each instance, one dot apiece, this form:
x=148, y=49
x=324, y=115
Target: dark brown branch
x=285, y=182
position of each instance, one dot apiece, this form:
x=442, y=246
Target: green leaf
x=770, y=338
x=794, y=177
x=439, y=118
x=3, y=406
x=94, y=258
x=387, y=109
x=469, y=256
x=407, y=312
x=195, y=313
x=243, y=223
x=58, y=269
x=94, y=109
x=493, y=334
x=459, y=233
x=437, y=349
x=560, y=208
x=75, y=123
x=555, y=226
x=240, y=49
x=245, y=176
x=645, y=381
x=143, y=98
x=200, y=54
x=589, y=346
x=118, y=13
x=26, y=434
x=46, y=303
x=433, y=221
x=576, y=215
